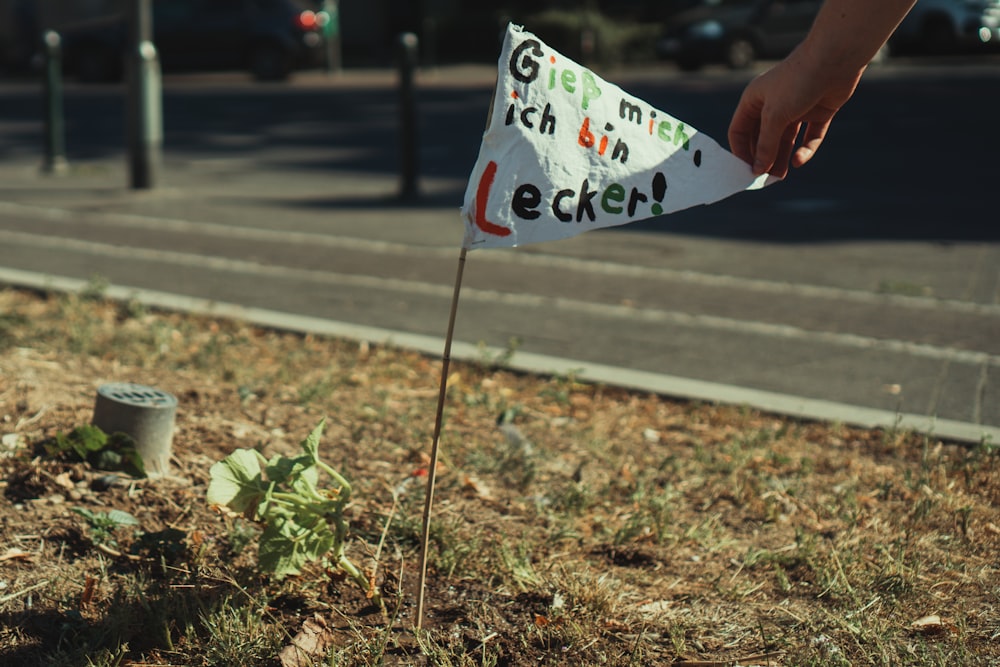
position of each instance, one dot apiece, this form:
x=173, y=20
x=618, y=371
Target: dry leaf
x=87, y=596
x=311, y=643
x=15, y=554
x=612, y=625
x=476, y=487
x=931, y=625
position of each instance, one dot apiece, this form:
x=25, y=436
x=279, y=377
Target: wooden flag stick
x=432, y=466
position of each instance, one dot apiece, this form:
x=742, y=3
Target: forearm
x=847, y=34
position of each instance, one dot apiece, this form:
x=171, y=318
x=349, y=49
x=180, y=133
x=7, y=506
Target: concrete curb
x=667, y=385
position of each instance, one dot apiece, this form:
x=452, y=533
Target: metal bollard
x=144, y=99
x=332, y=57
x=408, y=116
x=55, y=123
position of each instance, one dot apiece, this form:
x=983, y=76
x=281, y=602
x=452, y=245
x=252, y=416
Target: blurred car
x=946, y=26
x=270, y=38
x=736, y=32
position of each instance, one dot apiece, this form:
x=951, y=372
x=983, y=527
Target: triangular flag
x=566, y=152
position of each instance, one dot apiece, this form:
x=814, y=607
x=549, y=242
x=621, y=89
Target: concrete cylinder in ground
x=145, y=414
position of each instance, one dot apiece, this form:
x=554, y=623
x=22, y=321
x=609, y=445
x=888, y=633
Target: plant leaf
x=132, y=463
x=84, y=512
x=105, y=459
x=311, y=444
x=89, y=438
x=287, y=544
x=236, y=482
x=82, y=440
x=122, y=518
x=284, y=470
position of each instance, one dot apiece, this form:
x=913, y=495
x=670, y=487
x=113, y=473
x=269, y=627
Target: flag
x=565, y=152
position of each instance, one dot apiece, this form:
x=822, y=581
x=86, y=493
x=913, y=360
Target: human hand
x=777, y=104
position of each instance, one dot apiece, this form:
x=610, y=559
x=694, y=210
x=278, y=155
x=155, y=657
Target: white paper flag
x=566, y=152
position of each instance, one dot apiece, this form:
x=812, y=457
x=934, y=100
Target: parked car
x=943, y=26
x=270, y=38
x=736, y=32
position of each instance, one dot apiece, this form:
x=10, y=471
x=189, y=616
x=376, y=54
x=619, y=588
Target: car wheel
x=741, y=53
x=270, y=62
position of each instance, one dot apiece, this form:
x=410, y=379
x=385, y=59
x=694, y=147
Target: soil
x=593, y=526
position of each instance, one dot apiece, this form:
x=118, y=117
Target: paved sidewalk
x=295, y=236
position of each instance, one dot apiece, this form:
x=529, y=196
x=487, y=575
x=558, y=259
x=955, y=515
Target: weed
x=105, y=452
x=302, y=522
x=516, y=562
x=237, y=635
x=103, y=525
x=651, y=517
x=96, y=288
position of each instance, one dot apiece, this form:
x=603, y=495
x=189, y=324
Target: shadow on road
x=911, y=157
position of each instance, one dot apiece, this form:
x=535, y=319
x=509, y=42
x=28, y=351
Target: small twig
x=21, y=423
x=482, y=643
x=13, y=596
x=114, y=552
x=381, y=542
x=385, y=529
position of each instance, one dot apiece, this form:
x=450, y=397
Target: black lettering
x=630, y=112
x=557, y=211
x=526, y=117
x=527, y=197
x=634, y=200
x=527, y=70
x=510, y=115
x=548, y=121
x=620, y=151
x=585, y=205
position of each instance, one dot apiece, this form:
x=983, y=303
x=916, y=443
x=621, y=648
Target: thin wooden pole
x=432, y=466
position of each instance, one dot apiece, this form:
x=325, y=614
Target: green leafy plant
x=104, y=524
x=302, y=521
x=102, y=451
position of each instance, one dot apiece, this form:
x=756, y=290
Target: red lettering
x=586, y=137
x=482, y=197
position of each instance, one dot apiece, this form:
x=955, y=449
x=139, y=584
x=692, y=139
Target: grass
x=592, y=526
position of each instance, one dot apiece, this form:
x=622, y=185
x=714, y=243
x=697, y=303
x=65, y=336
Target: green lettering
x=614, y=193
x=568, y=81
x=663, y=130
x=682, y=137
x=590, y=89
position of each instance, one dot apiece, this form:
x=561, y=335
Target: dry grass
x=605, y=528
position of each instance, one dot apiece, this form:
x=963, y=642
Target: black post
x=408, y=46
x=144, y=98
x=332, y=57
x=55, y=124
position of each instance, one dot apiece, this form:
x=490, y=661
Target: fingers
x=774, y=144
x=811, y=141
x=784, y=151
x=743, y=131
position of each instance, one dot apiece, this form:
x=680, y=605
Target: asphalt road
x=870, y=278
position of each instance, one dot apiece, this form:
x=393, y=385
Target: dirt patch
x=596, y=526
